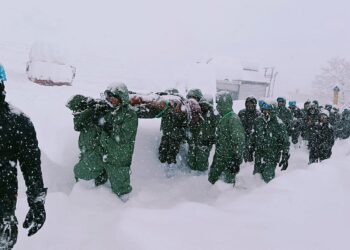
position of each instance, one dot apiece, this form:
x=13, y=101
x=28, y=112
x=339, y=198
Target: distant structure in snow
x=47, y=66
x=247, y=81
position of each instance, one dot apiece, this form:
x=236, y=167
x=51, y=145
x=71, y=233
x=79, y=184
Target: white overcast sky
x=297, y=37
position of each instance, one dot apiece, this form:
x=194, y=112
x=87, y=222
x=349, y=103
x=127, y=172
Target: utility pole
x=271, y=75
x=274, y=83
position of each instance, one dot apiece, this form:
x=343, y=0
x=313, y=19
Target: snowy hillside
x=304, y=208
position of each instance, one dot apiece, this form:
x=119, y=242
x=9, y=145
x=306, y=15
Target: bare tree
x=336, y=73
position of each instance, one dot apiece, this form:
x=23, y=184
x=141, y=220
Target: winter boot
x=101, y=179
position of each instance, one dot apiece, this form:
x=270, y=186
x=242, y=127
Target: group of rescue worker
x=108, y=129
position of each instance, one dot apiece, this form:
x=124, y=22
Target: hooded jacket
x=230, y=136
x=118, y=137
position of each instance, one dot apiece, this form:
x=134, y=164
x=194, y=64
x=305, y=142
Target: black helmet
x=251, y=99
x=328, y=107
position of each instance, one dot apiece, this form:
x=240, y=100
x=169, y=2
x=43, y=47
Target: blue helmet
x=2, y=73
x=266, y=106
x=261, y=103
x=292, y=104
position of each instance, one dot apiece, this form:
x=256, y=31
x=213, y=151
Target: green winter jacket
x=201, y=137
x=174, y=124
x=85, y=121
x=247, y=118
x=269, y=139
x=286, y=116
x=342, y=127
x=118, y=140
x=203, y=132
x=89, y=131
x=230, y=138
x=118, y=137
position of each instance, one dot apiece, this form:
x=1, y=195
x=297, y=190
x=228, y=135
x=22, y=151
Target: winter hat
x=292, y=103
x=281, y=99
x=328, y=107
x=266, y=106
x=261, y=103
x=118, y=90
x=172, y=91
x=251, y=99
x=195, y=94
x=223, y=102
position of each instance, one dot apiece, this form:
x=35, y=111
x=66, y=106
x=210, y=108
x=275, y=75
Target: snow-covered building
x=242, y=80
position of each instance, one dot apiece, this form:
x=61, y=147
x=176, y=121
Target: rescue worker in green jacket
x=296, y=122
x=304, y=110
x=284, y=114
x=248, y=116
x=337, y=115
x=230, y=142
x=342, y=128
x=322, y=139
x=329, y=108
x=201, y=136
x=173, y=128
x=261, y=103
x=117, y=127
x=309, y=121
x=86, y=114
x=270, y=144
x=296, y=112
x=118, y=138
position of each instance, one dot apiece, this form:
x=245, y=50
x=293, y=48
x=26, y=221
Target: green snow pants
x=266, y=167
x=198, y=157
x=226, y=168
x=92, y=165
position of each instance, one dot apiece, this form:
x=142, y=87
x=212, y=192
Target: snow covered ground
x=305, y=207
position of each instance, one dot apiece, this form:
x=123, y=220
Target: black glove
x=294, y=140
x=36, y=216
x=8, y=231
x=284, y=161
